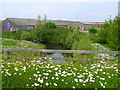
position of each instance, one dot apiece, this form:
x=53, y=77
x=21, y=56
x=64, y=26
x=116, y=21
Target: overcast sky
x=76, y=10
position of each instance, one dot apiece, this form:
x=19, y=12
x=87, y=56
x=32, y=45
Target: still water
x=56, y=55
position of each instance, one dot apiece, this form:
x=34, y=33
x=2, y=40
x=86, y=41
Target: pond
x=56, y=55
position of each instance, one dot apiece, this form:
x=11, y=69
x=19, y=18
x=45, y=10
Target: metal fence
x=83, y=52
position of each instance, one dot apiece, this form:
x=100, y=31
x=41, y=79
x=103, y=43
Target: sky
x=76, y=10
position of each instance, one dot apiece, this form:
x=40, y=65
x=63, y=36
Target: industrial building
x=29, y=24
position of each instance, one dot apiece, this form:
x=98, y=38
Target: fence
x=83, y=52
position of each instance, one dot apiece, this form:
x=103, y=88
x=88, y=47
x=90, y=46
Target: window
x=29, y=27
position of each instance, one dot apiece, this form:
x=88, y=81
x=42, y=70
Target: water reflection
x=56, y=55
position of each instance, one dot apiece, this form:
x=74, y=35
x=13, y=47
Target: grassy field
x=34, y=73
x=11, y=43
x=39, y=73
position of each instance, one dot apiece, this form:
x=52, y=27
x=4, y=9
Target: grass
x=11, y=43
x=37, y=73
x=11, y=35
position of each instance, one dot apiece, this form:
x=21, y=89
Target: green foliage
x=45, y=19
x=92, y=30
x=26, y=35
x=30, y=73
x=109, y=34
x=83, y=43
x=12, y=35
x=73, y=36
x=50, y=25
x=38, y=20
x=20, y=44
x=38, y=34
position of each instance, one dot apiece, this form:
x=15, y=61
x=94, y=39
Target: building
x=20, y=23
x=61, y=23
x=85, y=26
x=29, y=24
x=89, y=25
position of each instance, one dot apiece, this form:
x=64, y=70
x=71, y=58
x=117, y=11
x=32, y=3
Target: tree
x=44, y=19
x=109, y=34
x=50, y=25
x=38, y=20
x=92, y=30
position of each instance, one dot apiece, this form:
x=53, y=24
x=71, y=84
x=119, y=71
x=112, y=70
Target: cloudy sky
x=77, y=10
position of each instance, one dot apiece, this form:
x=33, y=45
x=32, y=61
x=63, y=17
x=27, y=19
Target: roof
x=93, y=22
x=61, y=22
x=22, y=21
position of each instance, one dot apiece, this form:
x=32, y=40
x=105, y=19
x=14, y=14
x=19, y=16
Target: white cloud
x=59, y=0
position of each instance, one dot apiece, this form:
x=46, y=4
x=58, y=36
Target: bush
x=12, y=35
x=84, y=43
x=109, y=34
x=92, y=30
x=50, y=25
x=26, y=35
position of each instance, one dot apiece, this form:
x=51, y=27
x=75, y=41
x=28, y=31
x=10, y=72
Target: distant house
x=20, y=23
x=85, y=26
x=61, y=23
x=29, y=24
x=89, y=25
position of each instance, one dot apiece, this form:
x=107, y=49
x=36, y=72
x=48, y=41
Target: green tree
x=92, y=30
x=109, y=34
x=44, y=19
x=38, y=20
x=50, y=25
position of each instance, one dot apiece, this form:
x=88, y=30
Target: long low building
x=29, y=24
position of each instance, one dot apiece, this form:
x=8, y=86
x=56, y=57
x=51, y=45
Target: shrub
x=92, y=30
x=26, y=35
x=50, y=25
x=84, y=43
x=109, y=34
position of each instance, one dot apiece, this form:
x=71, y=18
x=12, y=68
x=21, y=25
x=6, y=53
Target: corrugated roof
x=60, y=22
x=93, y=22
x=22, y=21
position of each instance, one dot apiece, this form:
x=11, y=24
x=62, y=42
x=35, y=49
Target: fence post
x=8, y=53
x=83, y=55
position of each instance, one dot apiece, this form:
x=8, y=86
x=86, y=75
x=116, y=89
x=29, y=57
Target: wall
x=26, y=27
x=12, y=24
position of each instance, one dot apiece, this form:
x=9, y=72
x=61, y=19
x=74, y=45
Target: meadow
x=75, y=73
x=43, y=73
x=39, y=73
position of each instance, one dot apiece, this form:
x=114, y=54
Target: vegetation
x=108, y=35
x=12, y=35
x=44, y=73
x=18, y=44
x=34, y=73
x=26, y=35
x=92, y=30
x=50, y=25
